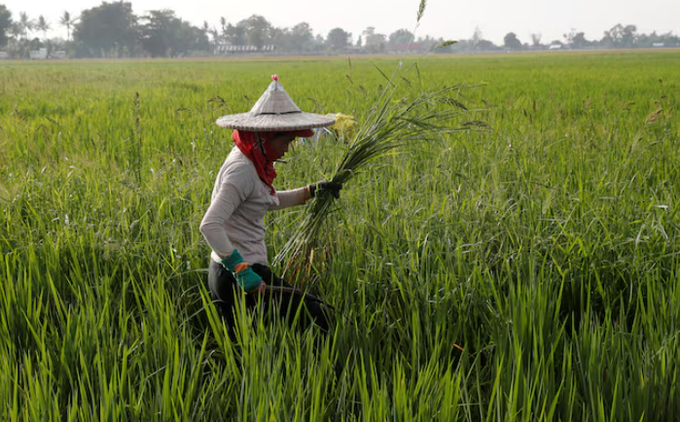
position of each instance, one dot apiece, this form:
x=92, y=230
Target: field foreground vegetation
x=524, y=271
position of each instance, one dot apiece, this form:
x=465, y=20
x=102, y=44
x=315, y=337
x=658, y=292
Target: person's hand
x=248, y=279
x=245, y=276
x=332, y=187
x=260, y=289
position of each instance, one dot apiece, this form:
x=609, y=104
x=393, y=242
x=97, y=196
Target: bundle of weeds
x=392, y=123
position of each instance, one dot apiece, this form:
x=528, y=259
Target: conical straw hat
x=274, y=111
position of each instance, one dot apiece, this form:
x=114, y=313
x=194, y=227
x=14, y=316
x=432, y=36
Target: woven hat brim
x=274, y=122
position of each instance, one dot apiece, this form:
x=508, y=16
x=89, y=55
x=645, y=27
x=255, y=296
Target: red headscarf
x=260, y=152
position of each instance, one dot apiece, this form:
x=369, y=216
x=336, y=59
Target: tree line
x=112, y=30
x=619, y=36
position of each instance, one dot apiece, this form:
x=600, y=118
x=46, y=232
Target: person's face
x=279, y=145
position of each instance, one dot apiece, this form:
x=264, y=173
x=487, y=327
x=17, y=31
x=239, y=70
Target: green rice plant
x=391, y=123
x=528, y=271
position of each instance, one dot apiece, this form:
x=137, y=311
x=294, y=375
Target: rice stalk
x=421, y=10
x=392, y=123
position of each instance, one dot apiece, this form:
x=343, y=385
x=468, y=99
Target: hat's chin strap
x=260, y=144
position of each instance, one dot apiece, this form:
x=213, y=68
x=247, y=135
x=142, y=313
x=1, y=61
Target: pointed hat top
x=274, y=111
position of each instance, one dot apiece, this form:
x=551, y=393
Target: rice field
x=524, y=271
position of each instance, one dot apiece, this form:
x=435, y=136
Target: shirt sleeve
x=233, y=190
x=290, y=198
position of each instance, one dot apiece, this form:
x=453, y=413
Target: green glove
x=245, y=276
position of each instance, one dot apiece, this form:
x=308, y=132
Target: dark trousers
x=225, y=293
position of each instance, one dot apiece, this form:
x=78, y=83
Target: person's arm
x=291, y=198
x=299, y=196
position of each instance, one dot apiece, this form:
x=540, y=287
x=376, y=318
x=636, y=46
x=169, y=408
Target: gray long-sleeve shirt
x=240, y=200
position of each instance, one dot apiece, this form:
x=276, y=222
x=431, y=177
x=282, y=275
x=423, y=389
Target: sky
x=447, y=19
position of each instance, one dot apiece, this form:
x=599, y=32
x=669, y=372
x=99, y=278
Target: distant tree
x=159, y=32
x=569, y=37
x=110, y=28
x=535, y=40
x=257, y=30
x=300, y=38
x=427, y=42
x=478, y=43
x=620, y=36
x=579, y=40
x=192, y=38
x=163, y=35
x=485, y=45
x=649, y=41
x=236, y=35
x=400, y=36
x=360, y=42
x=338, y=39
x=5, y=24
x=205, y=30
x=282, y=39
x=629, y=36
x=215, y=35
x=56, y=44
x=646, y=41
x=477, y=37
x=27, y=24
x=15, y=30
x=66, y=21
x=670, y=40
x=511, y=42
x=33, y=44
x=223, y=25
x=43, y=25
x=373, y=43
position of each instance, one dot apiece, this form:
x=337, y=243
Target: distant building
x=233, y=49
x=59, y=55
x=658, y=44
x=4, y=55
x=555, y=47
x=40, y=54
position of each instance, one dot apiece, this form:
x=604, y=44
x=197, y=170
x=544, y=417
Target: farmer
x=233, y=225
